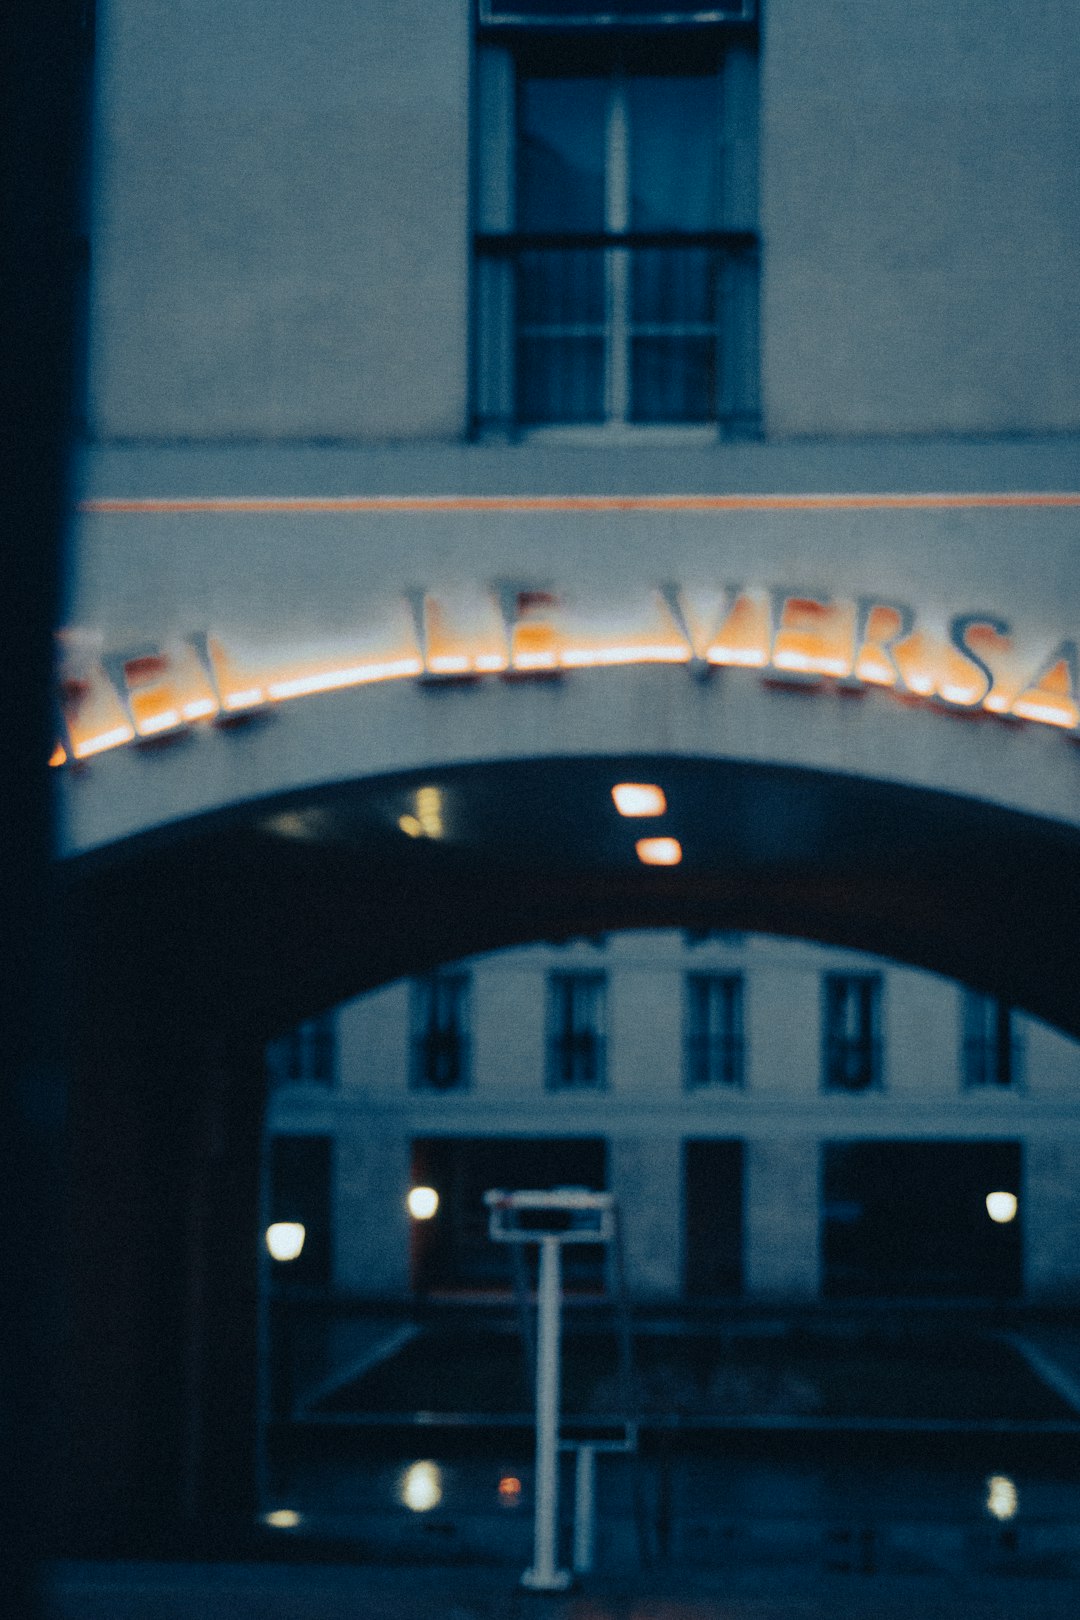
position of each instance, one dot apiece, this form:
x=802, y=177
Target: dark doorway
x=910, y=1220
x=300, y=1191
x=453, y=1251
x=713, y=1214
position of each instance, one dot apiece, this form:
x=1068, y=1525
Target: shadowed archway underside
x=192, y=947
x=252, y=919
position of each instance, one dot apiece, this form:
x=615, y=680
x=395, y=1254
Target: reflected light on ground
x=285, y=1239
x=639, y=799
x=422, y=1203
x=420, y=1487
x=282, y=1519
x=659, y=851
x=1002, y=1500
x=1001, y=1207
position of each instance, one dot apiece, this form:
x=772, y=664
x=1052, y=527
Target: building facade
x=485, y=406
x=778, y=1120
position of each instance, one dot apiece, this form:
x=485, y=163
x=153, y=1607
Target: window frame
x=427, y=1032
x=499, y=243
x=982, y=1049
x=713, y=1051
x=307, y=1054
x=872, y=1042
x=558, y=1033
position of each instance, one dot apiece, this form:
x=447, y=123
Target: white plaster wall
x=1051, y=1216
x=280, y=232
x=780, y=1246
x=919, y=216
x=644, y=1173
x=922, y=1037
x=373, y=1044
x=371, y=1224
x=1050, y=1062
x=645, y=1058
x=508, y=1037
x=783, y=1027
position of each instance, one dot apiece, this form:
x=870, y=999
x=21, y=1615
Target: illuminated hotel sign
x=966, y=662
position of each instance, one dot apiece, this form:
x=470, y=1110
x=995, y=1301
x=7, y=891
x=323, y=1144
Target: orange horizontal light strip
x=659, y=851
x=588, y=657
x=116, y=737
x=358, y=675
x=330, y=504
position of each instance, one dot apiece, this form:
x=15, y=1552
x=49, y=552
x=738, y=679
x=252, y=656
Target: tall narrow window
x=617, y=260
x=990, y=1051
x=307, y=1054
x=440, y=1032
x=851, y=1044
x=714, y=1030
x=576, y=1045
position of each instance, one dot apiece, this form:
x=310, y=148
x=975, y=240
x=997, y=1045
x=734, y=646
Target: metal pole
x=544, y=1575
x=584, y=1509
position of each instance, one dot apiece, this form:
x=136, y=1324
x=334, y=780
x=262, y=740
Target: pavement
x=338, y=1592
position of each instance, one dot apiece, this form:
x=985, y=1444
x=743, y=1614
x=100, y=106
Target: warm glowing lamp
x=420, y=1488
x=659, y=851
x=1002, y=1497
x=282, y=1518
x=285, y=1239
x=1001, y=1207
x=639, y=799
x=422, y=1203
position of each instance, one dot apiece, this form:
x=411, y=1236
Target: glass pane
x=673, y=149
x=561, y=289
x=672, y=379
x=674, y=286
x=561, y=149
x=560, y=379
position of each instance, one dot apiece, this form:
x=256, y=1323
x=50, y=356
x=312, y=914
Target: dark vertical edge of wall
x=44, y=77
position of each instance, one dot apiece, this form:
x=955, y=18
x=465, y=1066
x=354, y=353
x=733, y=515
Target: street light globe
x=285, y=1239
x=422, y=1203
x=1001, y=1207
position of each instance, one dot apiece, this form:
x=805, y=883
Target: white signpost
x=550, y=1219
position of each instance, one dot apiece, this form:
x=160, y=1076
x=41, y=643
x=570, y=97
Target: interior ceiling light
x=639, y=799
x=659, y=851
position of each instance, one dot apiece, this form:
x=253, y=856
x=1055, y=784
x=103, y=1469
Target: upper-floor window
x=307, y=1053
x=990, y=1049
x=714, y=1029
x=587, y=13
x=617, y=250
x=440, y=1054
x=851, y=1031
x=576, y=1041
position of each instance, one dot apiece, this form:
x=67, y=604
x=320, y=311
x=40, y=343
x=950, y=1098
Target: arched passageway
x=193, y=946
